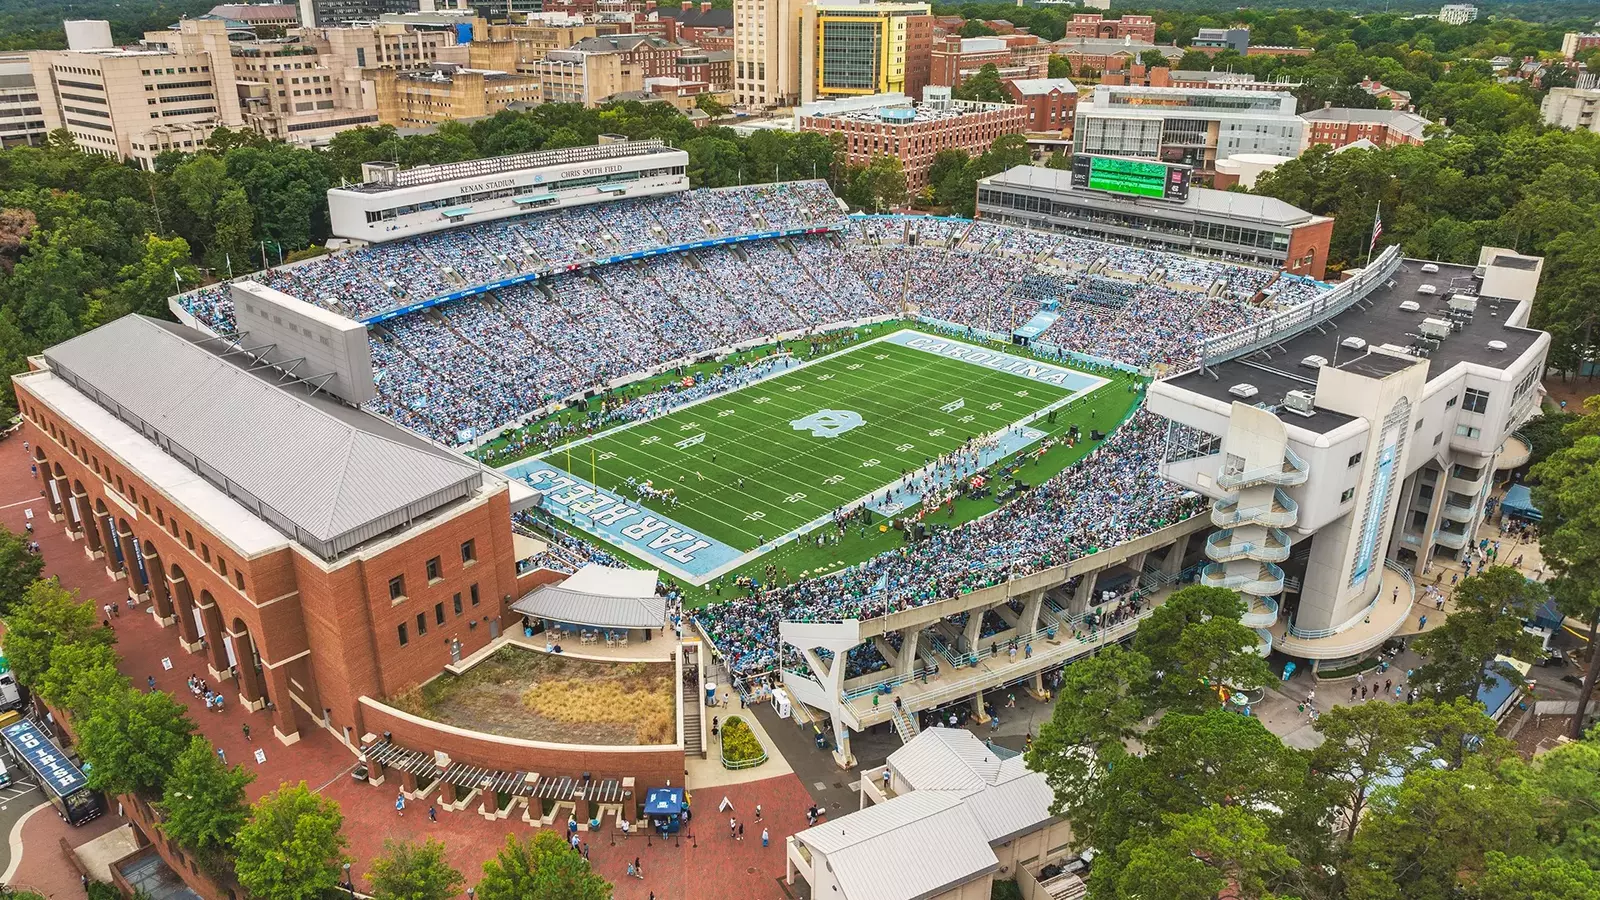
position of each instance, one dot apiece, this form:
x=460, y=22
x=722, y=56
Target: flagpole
x=1373, y=244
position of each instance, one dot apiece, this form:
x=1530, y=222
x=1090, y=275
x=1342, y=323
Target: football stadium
x=873, y=454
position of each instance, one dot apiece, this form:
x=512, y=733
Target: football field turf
x=761, y=464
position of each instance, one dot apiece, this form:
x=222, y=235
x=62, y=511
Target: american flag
x=1377, y=228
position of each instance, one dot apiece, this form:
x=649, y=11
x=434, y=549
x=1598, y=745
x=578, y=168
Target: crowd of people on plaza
x=1113, y=495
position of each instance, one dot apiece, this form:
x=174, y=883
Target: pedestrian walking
x=222, y=756
x=1352, y=693
x=433, y=813
x=1363, y=692
x=733, y=827
x=758, y=812
x=763, y=837
x=399, y=803
x=741, y=831
x=638, y=869
x=151, y=680
x=1388, y=684
x=246, y=729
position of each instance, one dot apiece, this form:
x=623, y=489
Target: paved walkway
x=707, y=864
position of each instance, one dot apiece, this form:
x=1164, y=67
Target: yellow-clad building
x=858, y=49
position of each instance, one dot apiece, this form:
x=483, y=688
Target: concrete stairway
x=691, y=721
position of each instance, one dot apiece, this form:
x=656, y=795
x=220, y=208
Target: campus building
x=1361, y=447
x=1097, y=55
x=27, y=109
x=955, y=58
x=1340, y=127
x=1219, y=224
x=1050, y=103
x=446, y=94
x=860, y=49
x=1571, y=108
x=766, y=52
x=1458, y=13
x=987, y=814
x=892, y=125
x=1192, y=126
x=303, y=553
x=1094, y=25
x=1575, y=42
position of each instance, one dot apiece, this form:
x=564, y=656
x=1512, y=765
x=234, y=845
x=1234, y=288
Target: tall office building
x=858, y=49
x=766, y=52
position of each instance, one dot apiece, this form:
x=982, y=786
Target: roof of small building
x=1407, y=123
x=1030, y=87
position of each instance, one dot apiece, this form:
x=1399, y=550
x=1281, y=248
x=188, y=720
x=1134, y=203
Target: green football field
x=913, y=405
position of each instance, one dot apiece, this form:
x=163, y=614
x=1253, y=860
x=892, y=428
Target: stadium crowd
x=460, y=369
x=1113, y=495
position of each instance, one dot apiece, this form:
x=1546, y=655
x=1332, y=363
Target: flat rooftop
x=1378, y=320
x=919, y=113
x=396, y=179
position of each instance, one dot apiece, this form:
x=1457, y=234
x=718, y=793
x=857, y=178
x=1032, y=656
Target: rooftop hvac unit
x=1243, y=391
x=1429, y=268
x=1300, y=403
x=1410, y=306
x=1435, y=327
x=1497, y=346
x=1314, y=361
x=1464, y=302
x=1353, y=343
x=1427, y=289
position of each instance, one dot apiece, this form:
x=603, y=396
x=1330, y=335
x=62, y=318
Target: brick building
x=1094, y=25
x=955, y=58
x=1050, y=102
x=1101, y=55
x=1576, y=42
x=307, y=553
x=913, y=133
x=1340, y=127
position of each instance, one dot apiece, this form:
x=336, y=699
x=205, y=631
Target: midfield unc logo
x=827, y=423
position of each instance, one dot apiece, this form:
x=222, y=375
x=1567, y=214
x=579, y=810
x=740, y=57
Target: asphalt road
x=16, y=799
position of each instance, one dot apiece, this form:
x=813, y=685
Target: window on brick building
x=238, y=580
x=474, y=595
x=438, y=613
x=397, y=587
x=456, y=602
x=403, y=638
x=434, y=570
x=422, y=624
x=188, y=538
x=469, y=551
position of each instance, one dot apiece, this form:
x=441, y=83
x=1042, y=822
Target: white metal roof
x=330, y=478
x=916, y=845
x=946, y=759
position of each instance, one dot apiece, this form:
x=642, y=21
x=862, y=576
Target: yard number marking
x=762, y=400
x=905, y=448
x=794, y=498
x=868, y=463
x=751, y=517
x=652, y=439
x=724, y=413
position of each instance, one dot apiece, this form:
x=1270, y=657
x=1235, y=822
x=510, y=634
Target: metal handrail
x=1216, y=575
x=1253, y=619
x=1225, y=513
x=1293, y=470
x=1365, y=611
x=1221, y=543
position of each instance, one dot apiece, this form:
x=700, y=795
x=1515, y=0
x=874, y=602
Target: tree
x=1193, y=61
x=1428, y=836
x=1059, y=67
x=204, y=802
x=1567, y=491
x=983, y=85
x=1100, y=701
x=972, y=28
x=133, y=741
x=90, y=684
x=163, y=270
x=1203, y=853
x=291, y=848
x=544, y=867
x=1154, y=58
x=69, y=663
x=1487, y=623
x=49, y=616
x=1533, y=878
x=1196, y=644
x=408, y=870
x=878, y=186
x=19, y=567
x=707, y=103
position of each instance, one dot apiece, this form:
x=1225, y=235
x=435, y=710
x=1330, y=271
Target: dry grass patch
x=538, y=696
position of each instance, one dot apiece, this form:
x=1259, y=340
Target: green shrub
x=739, y=743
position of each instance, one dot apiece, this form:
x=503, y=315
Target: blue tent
x=664, y=807
x=1519, y=504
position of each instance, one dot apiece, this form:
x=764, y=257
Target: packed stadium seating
x=462, y=368
x=1113, y=495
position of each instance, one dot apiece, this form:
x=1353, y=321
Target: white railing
x=1266, y=581
x=1284, y=325
x=1280, y=513
x=1254, y=618
x=1221, y=547
x=1365, y=611
x=1293, y=470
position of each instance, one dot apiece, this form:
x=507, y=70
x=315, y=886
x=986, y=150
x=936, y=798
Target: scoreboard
x=1131, y=177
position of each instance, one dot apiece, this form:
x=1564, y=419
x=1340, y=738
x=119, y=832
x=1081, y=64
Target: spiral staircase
x=1253, y=537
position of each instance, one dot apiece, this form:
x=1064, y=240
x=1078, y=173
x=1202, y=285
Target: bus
x=63, y=783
